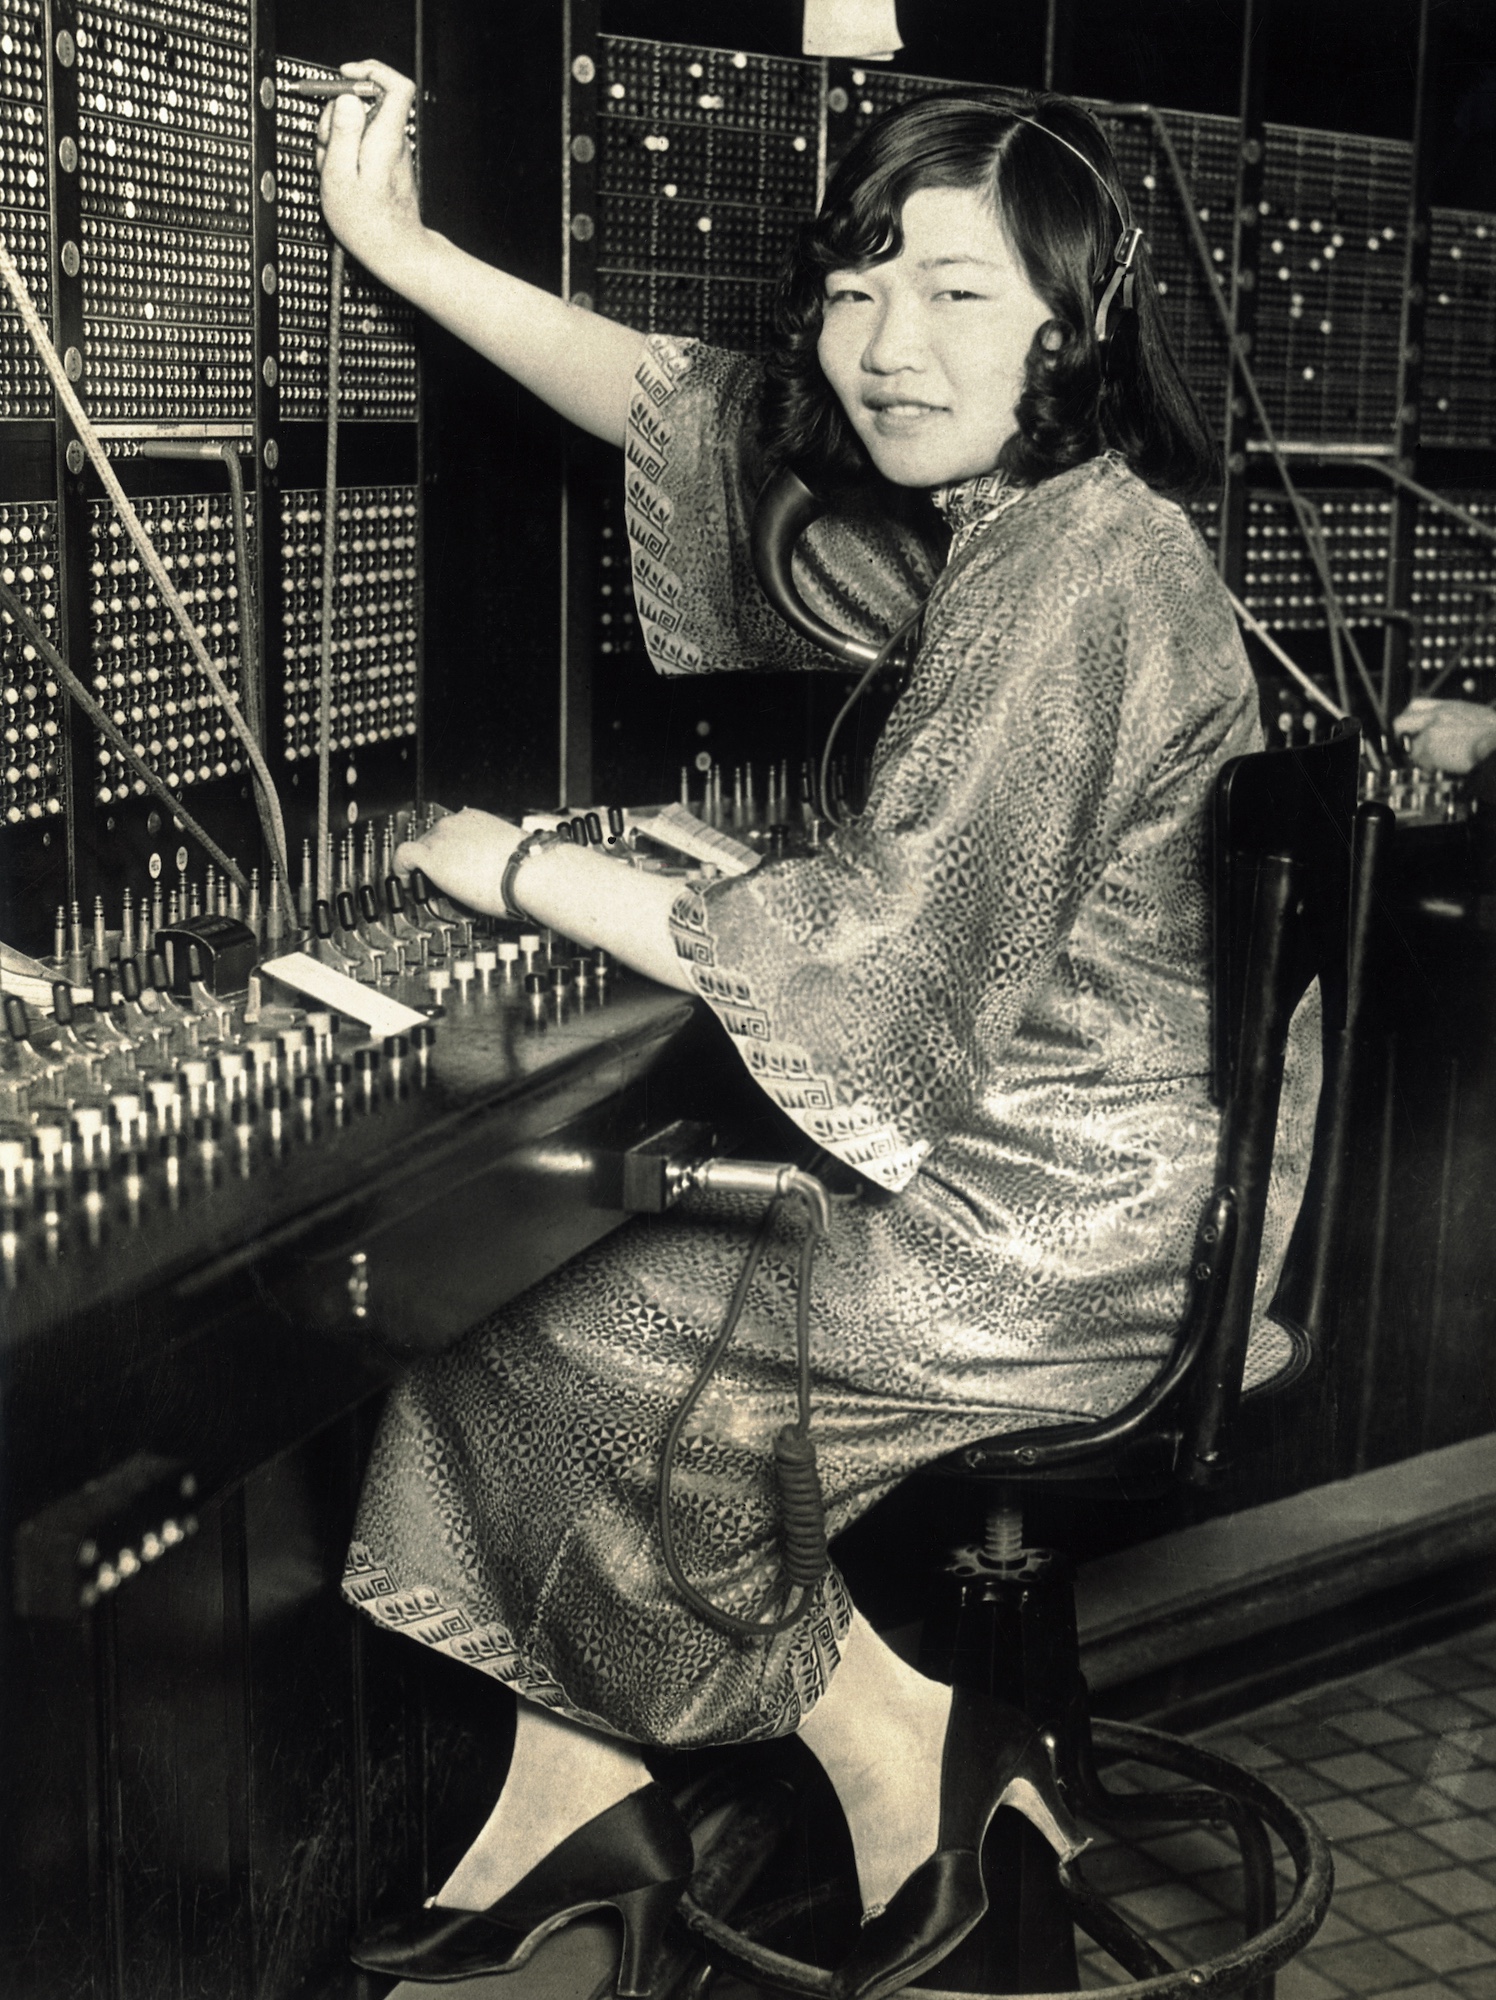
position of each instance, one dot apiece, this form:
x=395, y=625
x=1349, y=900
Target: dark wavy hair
x=1078, y=399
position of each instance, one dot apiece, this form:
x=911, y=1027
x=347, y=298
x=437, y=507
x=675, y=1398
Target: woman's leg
x=879, y=1733
x=561, y=1776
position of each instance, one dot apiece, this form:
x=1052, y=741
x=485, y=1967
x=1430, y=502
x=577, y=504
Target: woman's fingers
x=341, y=151
x=384, y=133
x=465, y=855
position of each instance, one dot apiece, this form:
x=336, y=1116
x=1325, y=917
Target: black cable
x=805, y=1560
x=873, y=668
x=1335, y=619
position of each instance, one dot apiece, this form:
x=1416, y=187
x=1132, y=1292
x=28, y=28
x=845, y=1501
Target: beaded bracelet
x=543, y=836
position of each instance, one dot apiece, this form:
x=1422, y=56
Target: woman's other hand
x=368, y=178
x=464, y=855
x=1448, y=735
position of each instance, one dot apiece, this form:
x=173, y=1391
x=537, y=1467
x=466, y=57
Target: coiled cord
x=804, y=1560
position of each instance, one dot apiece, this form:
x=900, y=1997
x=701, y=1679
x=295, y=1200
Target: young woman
x=986, y=996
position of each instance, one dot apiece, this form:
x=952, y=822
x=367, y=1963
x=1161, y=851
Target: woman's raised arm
x=578, y=362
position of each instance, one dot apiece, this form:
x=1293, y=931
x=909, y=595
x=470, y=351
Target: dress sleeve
x=873, y=988
x=693, y=475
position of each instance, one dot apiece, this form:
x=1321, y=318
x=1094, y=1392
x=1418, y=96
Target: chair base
x=1006, y=1626
x=1221, y=1793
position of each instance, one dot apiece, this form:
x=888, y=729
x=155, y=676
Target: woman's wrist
x=410, y=260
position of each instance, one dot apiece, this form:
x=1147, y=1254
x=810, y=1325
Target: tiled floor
x=1398, y=1766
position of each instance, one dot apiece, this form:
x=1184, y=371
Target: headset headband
x=1119, y=281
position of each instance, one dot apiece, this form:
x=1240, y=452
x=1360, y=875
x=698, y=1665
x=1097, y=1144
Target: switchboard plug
x=648, y=1178
x=652, y=1176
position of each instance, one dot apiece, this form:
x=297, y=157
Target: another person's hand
x=368, y=178
x=464, y=855
x=1450, y=736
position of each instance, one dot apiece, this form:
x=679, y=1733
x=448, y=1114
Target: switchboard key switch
x=602, y=972
x=26, y=1064
x=464, y=972
x=207, y=1146
x=339, y=1082
x=375, y=933
x=91, y=1202
x=264, y=1060
x=296, y=1051
x=169, y=1151
x=307, y=1089
x=439, y=980
x=366, y=959
x=242, y=1128
x=396, y=1061
x=321, y=1025
x=132, y=1184
x=366, y=1071
x=90, y=1136
x=321, y=943
x=199, y=1087
x=85, y=1057
x=275, y=1102
x=105, y=1031
x=535, y=997
x=233, y=1077
x=422, y=1040
x=148, y=1030
x=413, y=940
x=529, y=951
x=17, y=1167
x=129, y=1118
x=486, y=966
x=215, y=1016
x=165, y=1094
x=508, y=956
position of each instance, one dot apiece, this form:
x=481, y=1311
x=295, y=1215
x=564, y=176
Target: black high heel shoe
x=635, y=1858
x=993, y=1757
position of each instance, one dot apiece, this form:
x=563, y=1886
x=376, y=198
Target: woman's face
x=926, y=352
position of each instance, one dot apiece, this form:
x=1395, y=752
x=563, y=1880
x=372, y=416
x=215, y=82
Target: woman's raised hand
x=368, y=180
x=464, y=854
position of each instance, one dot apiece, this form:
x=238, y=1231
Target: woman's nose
x=894, y=343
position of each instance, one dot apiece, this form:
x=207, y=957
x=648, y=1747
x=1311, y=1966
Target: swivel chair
x=1294, y=870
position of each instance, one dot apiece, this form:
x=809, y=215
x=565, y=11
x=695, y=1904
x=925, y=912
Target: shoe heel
x=645, y=1913
x=1033, y=1792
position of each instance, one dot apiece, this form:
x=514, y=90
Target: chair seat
x=1141, y=1467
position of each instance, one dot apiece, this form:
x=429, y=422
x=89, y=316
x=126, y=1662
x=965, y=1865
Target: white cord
x=1260, y=631
x=336, y=263
x=52, y=362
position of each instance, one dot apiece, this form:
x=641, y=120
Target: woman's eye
x=953, y=293
x=844, y=294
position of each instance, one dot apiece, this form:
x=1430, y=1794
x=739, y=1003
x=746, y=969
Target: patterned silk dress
x=987, y=997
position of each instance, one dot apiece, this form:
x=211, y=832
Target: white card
x=379, y=1013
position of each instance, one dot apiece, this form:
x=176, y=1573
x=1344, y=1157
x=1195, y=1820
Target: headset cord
x=802, y=1512
x=886, y=652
